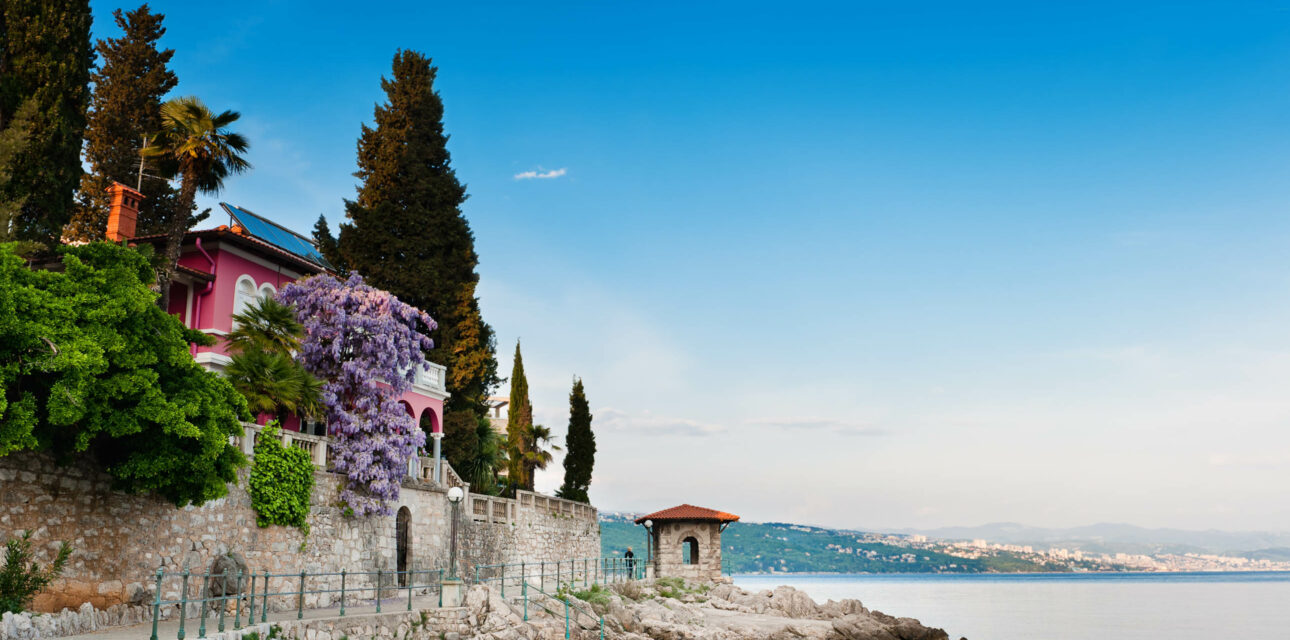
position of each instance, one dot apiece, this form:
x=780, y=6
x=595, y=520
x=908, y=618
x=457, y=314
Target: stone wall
x=121, y=540
x=531, y=528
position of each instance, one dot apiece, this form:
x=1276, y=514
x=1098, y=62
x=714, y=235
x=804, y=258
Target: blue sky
x=857, y=265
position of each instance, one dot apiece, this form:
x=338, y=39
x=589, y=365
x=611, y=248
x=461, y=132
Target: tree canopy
x=581, y=443
x=405, y=231
x=519, y=418
x=45, y=59
x=197, y=144
x=89, y=365
x=132, y=78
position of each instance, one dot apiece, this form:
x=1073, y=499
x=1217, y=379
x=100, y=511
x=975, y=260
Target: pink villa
x=226, y=269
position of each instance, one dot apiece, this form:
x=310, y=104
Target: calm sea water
x=1082, y=606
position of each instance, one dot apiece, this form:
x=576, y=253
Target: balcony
x=432, y=377
x=315, y=446
x=419, y=467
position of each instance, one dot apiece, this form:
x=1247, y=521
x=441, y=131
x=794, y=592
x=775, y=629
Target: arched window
x=690, y=550
x=244, y=295
x=267, y=291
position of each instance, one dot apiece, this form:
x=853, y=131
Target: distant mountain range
x=1123, y=538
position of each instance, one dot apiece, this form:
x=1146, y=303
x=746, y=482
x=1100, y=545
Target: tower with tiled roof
x=685, y=541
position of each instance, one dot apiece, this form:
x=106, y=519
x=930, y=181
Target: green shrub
x=596, y=596
x=21, y=578
x=282, y=481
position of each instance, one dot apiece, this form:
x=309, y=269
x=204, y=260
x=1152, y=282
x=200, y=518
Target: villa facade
x=226, y=269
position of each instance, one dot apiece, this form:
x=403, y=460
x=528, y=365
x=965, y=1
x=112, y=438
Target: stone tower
x=685, y=541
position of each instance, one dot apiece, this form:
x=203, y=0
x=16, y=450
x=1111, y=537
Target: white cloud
x=824, y=424
x=646, y=423
x=541, y=175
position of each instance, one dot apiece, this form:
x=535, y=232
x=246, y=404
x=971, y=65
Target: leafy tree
x=518, y=420
x=367, y=346
x=460, y=438
x=21, y=578
x=45, y=58
x=13, y=139
x=580, y=459
x=327, y=245
x=89, y=365
x=196, y=143
x=125, y=108
x=281, y=483
x=406, y=232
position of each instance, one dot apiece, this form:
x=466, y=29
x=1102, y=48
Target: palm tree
x=481, y=470
x=536, y=456
x=199, y=148
x=273, y=383
x=269, y=325
x=264, y=369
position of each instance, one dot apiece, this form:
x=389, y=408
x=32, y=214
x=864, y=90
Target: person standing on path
x=631, y=563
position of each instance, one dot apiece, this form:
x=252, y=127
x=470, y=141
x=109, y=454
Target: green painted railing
x=576, y=573
x=541, y=598
x=254, y=594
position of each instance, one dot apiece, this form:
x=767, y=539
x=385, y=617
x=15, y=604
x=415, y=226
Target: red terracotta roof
x=689, y=512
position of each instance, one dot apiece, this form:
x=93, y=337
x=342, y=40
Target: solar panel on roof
x=275, y=234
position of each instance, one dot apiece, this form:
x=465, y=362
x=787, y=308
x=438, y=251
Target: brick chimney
x=124, y=214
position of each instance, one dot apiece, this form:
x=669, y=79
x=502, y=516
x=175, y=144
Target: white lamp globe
x=649, y=523
x=455, y=494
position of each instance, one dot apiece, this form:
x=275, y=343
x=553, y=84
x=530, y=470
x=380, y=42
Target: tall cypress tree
x=519, y=417
x=45, y=57
x=129, y=84
x=406, y=233
x=580, y=455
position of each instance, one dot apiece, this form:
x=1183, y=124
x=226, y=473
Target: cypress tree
x=406, y=234
x=581, y=443
x=518, y=419
x=45, y=57
x=129, y=84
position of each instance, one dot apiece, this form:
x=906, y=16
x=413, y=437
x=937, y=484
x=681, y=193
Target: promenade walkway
x=391, y=609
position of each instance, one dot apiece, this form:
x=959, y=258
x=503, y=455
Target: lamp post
x=649, y=544
x=455, y=495
x=451, y=590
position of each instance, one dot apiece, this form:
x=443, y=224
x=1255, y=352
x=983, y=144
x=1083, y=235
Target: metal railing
x=254, y=594
x=573, y=573
x=571, y=610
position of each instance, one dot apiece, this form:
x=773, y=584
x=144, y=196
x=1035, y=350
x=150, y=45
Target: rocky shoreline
x=676, y=610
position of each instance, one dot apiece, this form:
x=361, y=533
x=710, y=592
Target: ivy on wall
x=282, y=480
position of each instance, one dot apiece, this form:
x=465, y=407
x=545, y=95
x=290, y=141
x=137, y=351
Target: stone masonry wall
x=120, y=540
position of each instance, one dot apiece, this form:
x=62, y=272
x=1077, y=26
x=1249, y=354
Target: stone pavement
x=394, y=612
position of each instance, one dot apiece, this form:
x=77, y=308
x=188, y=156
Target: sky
x=865, y=265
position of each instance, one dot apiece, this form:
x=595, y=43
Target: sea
x=1066, y=606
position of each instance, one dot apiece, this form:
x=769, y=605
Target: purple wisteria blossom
x=366, y=347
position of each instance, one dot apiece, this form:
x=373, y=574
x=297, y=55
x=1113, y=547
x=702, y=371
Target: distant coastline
x=792, y=549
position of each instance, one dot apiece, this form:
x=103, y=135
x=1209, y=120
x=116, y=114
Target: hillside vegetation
x=789, y=548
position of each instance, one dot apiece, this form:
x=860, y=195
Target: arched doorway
x=403, y=543
x=690, y=550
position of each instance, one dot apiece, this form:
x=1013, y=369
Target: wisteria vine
x=366, y=346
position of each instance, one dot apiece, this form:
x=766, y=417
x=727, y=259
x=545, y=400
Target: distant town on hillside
x=776, y=547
